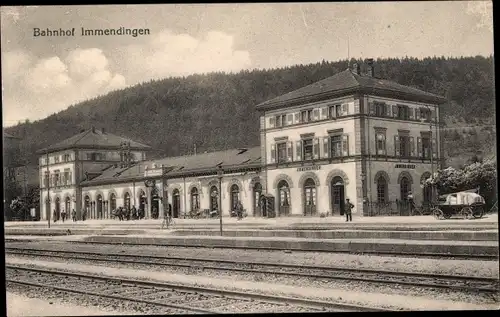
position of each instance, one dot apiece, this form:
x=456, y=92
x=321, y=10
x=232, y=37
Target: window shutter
x=412, y=147
x=345, y=145
x=324, y=113
x=289, y=151
x=298, y=150
x=316, y=148
x=64, y=179
x=433, y=115
x=434, y=148
x=394, y=111
x=297, y=117
x=356, y=106
x=273, y=153
x=378, y=137
x=372, y=108
x=345, y=109
x=272, y=122
x=315, y=114
x=417, y=114
x=326, y=147
x=419, y=147
x=412, y=113
x=289, y=119
x=396, y=146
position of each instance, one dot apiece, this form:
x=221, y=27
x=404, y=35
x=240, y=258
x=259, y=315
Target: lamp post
x=220, y=173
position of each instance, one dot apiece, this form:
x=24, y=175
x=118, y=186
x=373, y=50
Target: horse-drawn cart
x=466, y=204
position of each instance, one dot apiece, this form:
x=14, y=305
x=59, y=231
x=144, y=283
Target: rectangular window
x=336, y=145
x=280, y=120
x=282, y=152
x=46, y=179
x=66, y=158
x=57, y=178
x=380, y=110
x=426, y=148
x=306, y=115
x=380, y=143
x=404, y=146
x=56, y=159
x=67, y=179
x=338, y=110
x=425, y=114
x=307, y=148
x=403, y=112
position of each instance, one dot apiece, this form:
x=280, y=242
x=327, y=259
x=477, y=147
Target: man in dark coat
x=348, y=210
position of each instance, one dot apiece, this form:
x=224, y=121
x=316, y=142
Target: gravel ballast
x=358, y=286
x=395, y=302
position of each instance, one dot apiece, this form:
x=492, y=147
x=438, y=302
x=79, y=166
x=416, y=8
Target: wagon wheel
x=478, y=212
x=437, y=213
x=446, y=215
x=466, y=212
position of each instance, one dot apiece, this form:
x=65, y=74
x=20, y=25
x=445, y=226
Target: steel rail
x=328, y=271
x=244, y=295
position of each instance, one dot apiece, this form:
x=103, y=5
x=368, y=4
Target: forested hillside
x=216, y=110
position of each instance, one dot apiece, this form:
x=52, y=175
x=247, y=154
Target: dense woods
x=217, y=110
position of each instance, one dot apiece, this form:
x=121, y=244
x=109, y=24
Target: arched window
x=214, y=198
x=67, y=206
x=99, y=207
x=126, y=201
x=86, y=206
x=337, y=195
x=176, y=203
x=405, y=187
x=284, y=197
x=195, y=199
x=112, y=201
x=381, y=190
x=257, y=191
x=309, y=197
x=235, y=196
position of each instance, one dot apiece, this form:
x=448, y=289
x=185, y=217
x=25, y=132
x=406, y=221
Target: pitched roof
x=346, y=82
x=183, y=165
x=10, y=136
x=94, y=138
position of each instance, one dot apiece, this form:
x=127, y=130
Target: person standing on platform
x=63, y=215
x=348, y=210
x=73, y=213
x=55, y=216
x=410, y=202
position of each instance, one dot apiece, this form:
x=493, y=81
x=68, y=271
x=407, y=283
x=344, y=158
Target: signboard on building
x=408, y=166
x=309, y=168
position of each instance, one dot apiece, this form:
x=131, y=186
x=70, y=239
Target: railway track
x=453, y=282
x=167, y=298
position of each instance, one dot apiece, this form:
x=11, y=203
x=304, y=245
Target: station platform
x=293, y=222
x=394, y=246
x=454, y=235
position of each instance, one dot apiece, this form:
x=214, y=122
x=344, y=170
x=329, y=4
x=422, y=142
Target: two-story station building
x=348, y=136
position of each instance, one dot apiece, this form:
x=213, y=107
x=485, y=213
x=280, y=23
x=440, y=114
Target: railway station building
x=351, y=135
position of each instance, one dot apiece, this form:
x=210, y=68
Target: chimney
x=93, y=129
x=356, y=69
x=103, y=131
x=371, y=68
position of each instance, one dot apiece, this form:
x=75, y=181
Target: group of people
x=56, y=216
x=128, y=213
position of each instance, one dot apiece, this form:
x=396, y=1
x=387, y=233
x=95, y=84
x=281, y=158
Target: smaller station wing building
x=350, y=136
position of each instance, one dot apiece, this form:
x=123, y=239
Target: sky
x=45, y=75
